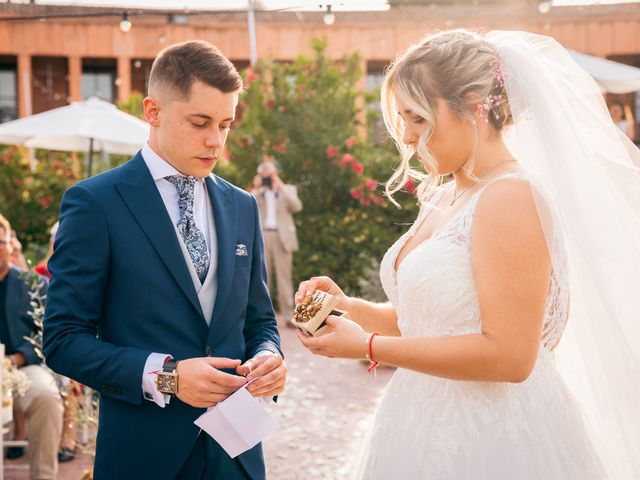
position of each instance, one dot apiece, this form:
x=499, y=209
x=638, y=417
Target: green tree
x=31, y=199
x=133, y=105
x=307, y=114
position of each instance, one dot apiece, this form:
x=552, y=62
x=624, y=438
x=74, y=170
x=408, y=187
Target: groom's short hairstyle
x=178, y=66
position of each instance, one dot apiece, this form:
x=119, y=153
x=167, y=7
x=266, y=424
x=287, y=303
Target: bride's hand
x=345, y=339
x=325, y=284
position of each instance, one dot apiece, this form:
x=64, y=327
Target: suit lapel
x=224, y=211
x=138, y=190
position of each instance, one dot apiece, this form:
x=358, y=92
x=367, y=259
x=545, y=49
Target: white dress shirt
x=160, y=169
x=271, y=204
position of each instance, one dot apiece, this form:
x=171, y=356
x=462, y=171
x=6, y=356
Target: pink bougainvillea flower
x=357, y=167
x=346, y=159
x=252, y=76
x=351, y=141
x=371, y=184
x=280, y=147
x=356, y=193
x=365, y=201
x=409, y=186
x=331, y=151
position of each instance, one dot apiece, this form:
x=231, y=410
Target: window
x=99, y=78
x=98, y=84
x=373, y=83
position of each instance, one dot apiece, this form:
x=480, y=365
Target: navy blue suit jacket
x=120, y=290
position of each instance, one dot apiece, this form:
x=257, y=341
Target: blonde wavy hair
x=448, y=65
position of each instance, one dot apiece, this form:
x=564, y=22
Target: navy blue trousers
x=208, y=461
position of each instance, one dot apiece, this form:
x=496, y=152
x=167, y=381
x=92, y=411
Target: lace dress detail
x=429, y=427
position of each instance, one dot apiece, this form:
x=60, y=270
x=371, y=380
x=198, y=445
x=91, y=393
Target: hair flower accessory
x=496, y=97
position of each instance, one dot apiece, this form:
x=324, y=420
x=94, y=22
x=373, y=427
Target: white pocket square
x=241, y=250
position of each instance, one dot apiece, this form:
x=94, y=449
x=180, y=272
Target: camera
x=266, y=181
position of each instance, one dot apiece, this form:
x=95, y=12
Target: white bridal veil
x=588, y=171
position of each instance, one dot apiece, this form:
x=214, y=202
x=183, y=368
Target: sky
x=307, y=5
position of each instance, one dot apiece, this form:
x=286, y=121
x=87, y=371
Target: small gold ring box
x=310, y=314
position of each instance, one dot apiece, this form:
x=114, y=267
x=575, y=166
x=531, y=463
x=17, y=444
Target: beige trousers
x=42, y=407
x=279, y=261
x=70, y=416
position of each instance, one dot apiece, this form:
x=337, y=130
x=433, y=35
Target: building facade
x=53, y=55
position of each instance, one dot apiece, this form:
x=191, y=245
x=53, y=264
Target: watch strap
x=170, y=365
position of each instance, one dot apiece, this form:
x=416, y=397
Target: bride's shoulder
x=508, y=207
x=513, y=183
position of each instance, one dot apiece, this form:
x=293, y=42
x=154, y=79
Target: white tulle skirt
x=438, y=429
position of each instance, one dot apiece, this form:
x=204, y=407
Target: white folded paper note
x=237, y=424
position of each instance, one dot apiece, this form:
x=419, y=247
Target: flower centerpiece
x=14, y=382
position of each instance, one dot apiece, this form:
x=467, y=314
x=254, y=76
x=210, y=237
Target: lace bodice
x=451, y=307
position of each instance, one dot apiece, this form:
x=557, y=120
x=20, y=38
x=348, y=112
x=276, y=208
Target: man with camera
x=278, y=202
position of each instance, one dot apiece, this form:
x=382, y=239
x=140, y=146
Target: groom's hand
x=271, y=368
x=202, y=384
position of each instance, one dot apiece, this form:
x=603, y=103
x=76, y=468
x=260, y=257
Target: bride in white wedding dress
x=536, y=232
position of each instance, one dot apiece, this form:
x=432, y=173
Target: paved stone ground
x=324, y=415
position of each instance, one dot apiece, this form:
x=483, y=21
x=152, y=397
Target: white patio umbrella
x=613, y=77
x=92, y=126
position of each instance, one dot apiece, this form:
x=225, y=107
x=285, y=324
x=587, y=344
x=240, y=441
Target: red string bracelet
x=369, y=353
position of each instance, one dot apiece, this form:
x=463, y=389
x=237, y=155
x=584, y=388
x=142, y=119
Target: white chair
x=6, y=419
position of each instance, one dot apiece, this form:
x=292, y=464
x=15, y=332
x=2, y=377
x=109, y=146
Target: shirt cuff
x=265, y=400
x=265, y=352
x=153, y=365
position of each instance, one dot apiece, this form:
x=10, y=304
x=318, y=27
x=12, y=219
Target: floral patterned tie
x=191, y=234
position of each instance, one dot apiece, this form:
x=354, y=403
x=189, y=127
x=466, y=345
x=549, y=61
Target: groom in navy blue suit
x=158, y=297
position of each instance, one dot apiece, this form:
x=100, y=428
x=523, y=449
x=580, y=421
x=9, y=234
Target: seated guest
x=68, y=447
x=41, y=405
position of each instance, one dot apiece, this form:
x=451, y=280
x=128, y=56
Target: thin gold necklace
x=480, y=176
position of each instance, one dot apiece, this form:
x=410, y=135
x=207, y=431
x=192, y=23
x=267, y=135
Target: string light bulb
x=329, y=18
x=544, y=7
x=125, y=23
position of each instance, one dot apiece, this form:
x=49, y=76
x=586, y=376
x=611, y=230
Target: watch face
x=167, y=382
